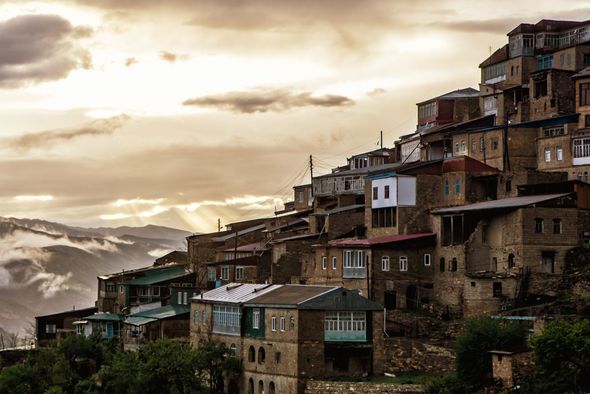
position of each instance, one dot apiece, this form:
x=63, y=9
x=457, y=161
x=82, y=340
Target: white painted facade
x=402, y=192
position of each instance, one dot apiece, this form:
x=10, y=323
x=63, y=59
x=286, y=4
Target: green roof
x=158, y=275
x=104, y=317
x=165, y=312
x=138, y=320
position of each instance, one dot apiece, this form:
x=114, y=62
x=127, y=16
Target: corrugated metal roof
x=504, y=203
x=368, y=242
x=459, y=93
x=163, y=312
x=236, y=293
x=139, y=320
x=359, y=171
x=291, y=295
x=294, y=237
x=253, y=247
x=338, y=210
x=104, y=317
x=241, y=232
x=158, y=275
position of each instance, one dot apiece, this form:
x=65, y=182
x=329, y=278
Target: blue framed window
x=446, y=188
x=196, y=317
x=457, y=186
x=544, y=62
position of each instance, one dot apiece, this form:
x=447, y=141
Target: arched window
x=511, y=260
x=271, y=388
x=232, y=350
x=251, y=354
x=442, y=264
x=260, y=387
x=261, y=355
x=453, y=265
x=250, y=386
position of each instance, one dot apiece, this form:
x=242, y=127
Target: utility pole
x=311, y=172
x=381, y=139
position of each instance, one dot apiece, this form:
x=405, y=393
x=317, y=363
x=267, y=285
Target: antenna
x=218, y=225
x=311, y=172
x=381, y=140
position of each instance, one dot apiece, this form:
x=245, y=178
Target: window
x=324, y=262
x=291, y=323
x=251, y=354
x=457, y=186
x=538, y=225
x=383, y=217
x=559, y=153
x=156, y=290
x=232, y=350
x=585, y=94
x=274, y=323
x=561, y=59
x=277, y=357
x=541, y=88
x=582, y=147
x=511, y=262
x=211, y=274
x=569, y=59
x=225, y=272
x=204, y=317
x=446, y=187
x=386, y=192
x=375, y=193
x=587, y=59
x=456, y=147
x=442, y=264
x=497, y=289
x=239, y=273
x=548, y=262
x=556, y=226
x=345, y=321
x=179, y=295
x=354, y=259
x=544, y=62
x=427, y=259
x=256, y=318
x=185, y=297
x=196, y=317
x=482, y=144
x=226, y=316
x=261, y=355
x=385, y=263
x=282, y=324
x=553, y=131
x=547, y=155
x=50, y=329
x=403, y=263
x=452, y=230
x=334, y=263
x=462, y=146
x=453, y=265
x=121, y=289
x=271, y=385
x=474, y=147
x=587, y=121
x=111, y=287
x=494, y=144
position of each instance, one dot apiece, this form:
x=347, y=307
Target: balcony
x=354, y=273
x=339, y=185
x=345, y=327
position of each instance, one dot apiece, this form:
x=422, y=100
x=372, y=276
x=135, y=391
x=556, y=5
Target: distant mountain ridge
x=47, y=267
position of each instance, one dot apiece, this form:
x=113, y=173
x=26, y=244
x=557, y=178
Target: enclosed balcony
x=345, y=326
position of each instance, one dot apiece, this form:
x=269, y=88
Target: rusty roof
x=498, y=56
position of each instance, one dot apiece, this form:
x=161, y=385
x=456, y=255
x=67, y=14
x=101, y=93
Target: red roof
x=389, y=239
x=467, y=164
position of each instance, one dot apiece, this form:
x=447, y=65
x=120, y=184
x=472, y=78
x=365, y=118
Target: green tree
x=562, y=357
x=482, y=334
x=213, y=360
x=120, y=376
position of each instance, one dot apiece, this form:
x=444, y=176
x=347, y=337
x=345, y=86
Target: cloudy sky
x=179, y=112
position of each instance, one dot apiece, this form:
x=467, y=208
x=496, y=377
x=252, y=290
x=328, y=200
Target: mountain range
x=48, y=267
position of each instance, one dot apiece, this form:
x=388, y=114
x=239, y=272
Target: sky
x=183, y=112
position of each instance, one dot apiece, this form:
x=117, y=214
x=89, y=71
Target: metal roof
x=151, y=315
x=235, y=293
x=504, y=203
x=241, y=232
x=158, y=275
x=104, y=317
x=314, y=297
x=74, y=312
x=253, y=247
x=338, y=210
x=294, y=237
x=358, y=171
x=388, y=239
x=459, y=93
x=291, y=295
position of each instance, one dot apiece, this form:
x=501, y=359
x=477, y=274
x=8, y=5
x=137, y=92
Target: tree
x=482, y=334
x=212, y=361
x=562, y=357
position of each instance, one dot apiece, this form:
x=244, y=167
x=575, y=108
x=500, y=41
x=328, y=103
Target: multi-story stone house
x=287, y=334
x=49, y=328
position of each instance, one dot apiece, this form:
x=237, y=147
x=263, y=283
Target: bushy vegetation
x=91, y=365
x=473, y=360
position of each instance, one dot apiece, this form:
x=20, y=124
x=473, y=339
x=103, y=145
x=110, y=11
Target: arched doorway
x=250, y=386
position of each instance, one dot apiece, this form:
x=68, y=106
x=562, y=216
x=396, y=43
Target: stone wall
x=326, y=387
x=418, y=356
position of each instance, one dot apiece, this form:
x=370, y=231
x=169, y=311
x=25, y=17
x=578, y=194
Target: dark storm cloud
x=268, y=100
x=48, y=138
x=37, y=48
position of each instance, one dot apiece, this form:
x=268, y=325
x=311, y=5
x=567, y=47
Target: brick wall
x=327, y=387
x=418, y=356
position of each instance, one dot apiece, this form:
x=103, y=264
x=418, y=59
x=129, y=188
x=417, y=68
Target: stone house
x=49, y=328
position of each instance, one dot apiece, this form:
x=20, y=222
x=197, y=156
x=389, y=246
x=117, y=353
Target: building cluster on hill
x=473, y=213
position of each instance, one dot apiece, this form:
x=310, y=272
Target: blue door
x=109, y=330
